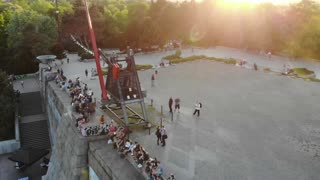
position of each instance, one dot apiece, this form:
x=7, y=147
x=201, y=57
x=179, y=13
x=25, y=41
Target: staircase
x=35, y=134
x=33, y=126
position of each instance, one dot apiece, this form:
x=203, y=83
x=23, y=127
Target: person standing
x=156, y=72
x=158, y=134
x=102, y=119
x=164, y=135
x=177, y=104
x=255, y=67
x=86, y=72
x=61, y=72
x=152, y=80
x=197, y=109
x=269, y=55
x=170, y=104
x=22, y=83
x=171, y=177
x=68, y=60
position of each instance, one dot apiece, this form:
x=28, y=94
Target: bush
x=58, y=50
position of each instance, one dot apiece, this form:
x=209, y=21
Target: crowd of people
x=135, y=153
x=81, y=97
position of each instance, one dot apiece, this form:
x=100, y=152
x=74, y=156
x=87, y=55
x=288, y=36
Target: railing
x=25, y=76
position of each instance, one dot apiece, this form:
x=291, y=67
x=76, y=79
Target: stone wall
x=70, y=154
x=108, y=165
x=9, y=146
x=69, y=157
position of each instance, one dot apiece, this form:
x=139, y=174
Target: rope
x=80, y=45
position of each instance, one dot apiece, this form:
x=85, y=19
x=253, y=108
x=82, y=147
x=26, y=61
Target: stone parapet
x=70, y=150
x=108, y=165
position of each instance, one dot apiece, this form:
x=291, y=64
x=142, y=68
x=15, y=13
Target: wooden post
x=161, y=116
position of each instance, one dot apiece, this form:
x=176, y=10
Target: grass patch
x=304, y=74
x=176, y=58
x=199, y=57
x=139, y=67
x=105, y=71
x=176, y=55
x=143, y=66
x=313, y=79
x=302, y=71
x=266, y=69
x=132, y=122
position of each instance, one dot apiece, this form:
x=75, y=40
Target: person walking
x=61, y=72
x=170, y=104
x=255, y=67
x=158, y=134
x=152, y=80
x=177, y=104
x=22, y=83
x=68, y=60
x=164, y=135
x=197, y=109
x=86, y=72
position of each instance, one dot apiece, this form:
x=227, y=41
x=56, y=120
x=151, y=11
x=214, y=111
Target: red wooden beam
x=96, y=53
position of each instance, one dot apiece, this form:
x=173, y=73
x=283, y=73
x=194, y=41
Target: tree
x=29, y=35
x=7, y=107
x=42, y=6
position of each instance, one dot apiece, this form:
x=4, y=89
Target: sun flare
x=246, y=3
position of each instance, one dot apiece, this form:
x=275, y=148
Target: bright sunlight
x=244, y=3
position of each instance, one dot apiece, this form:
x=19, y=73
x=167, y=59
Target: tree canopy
x=28, y=29
x=7, y=107
x=31, y=27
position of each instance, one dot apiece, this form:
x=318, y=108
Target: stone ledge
x=113, y=165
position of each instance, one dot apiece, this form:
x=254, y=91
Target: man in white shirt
x=197, y=109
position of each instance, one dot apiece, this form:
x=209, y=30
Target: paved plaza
x=253, y=125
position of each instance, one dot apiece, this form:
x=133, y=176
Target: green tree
x=29, y=35
x=7, y=107
x=42, y=6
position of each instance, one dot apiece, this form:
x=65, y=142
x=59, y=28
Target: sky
x=257, y=1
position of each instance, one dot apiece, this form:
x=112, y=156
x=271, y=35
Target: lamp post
x=58, y=23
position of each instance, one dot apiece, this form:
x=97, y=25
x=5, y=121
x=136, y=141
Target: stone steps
x=35, y=134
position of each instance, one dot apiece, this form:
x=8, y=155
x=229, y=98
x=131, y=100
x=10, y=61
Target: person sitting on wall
x=130, y=148
x=102, y=119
